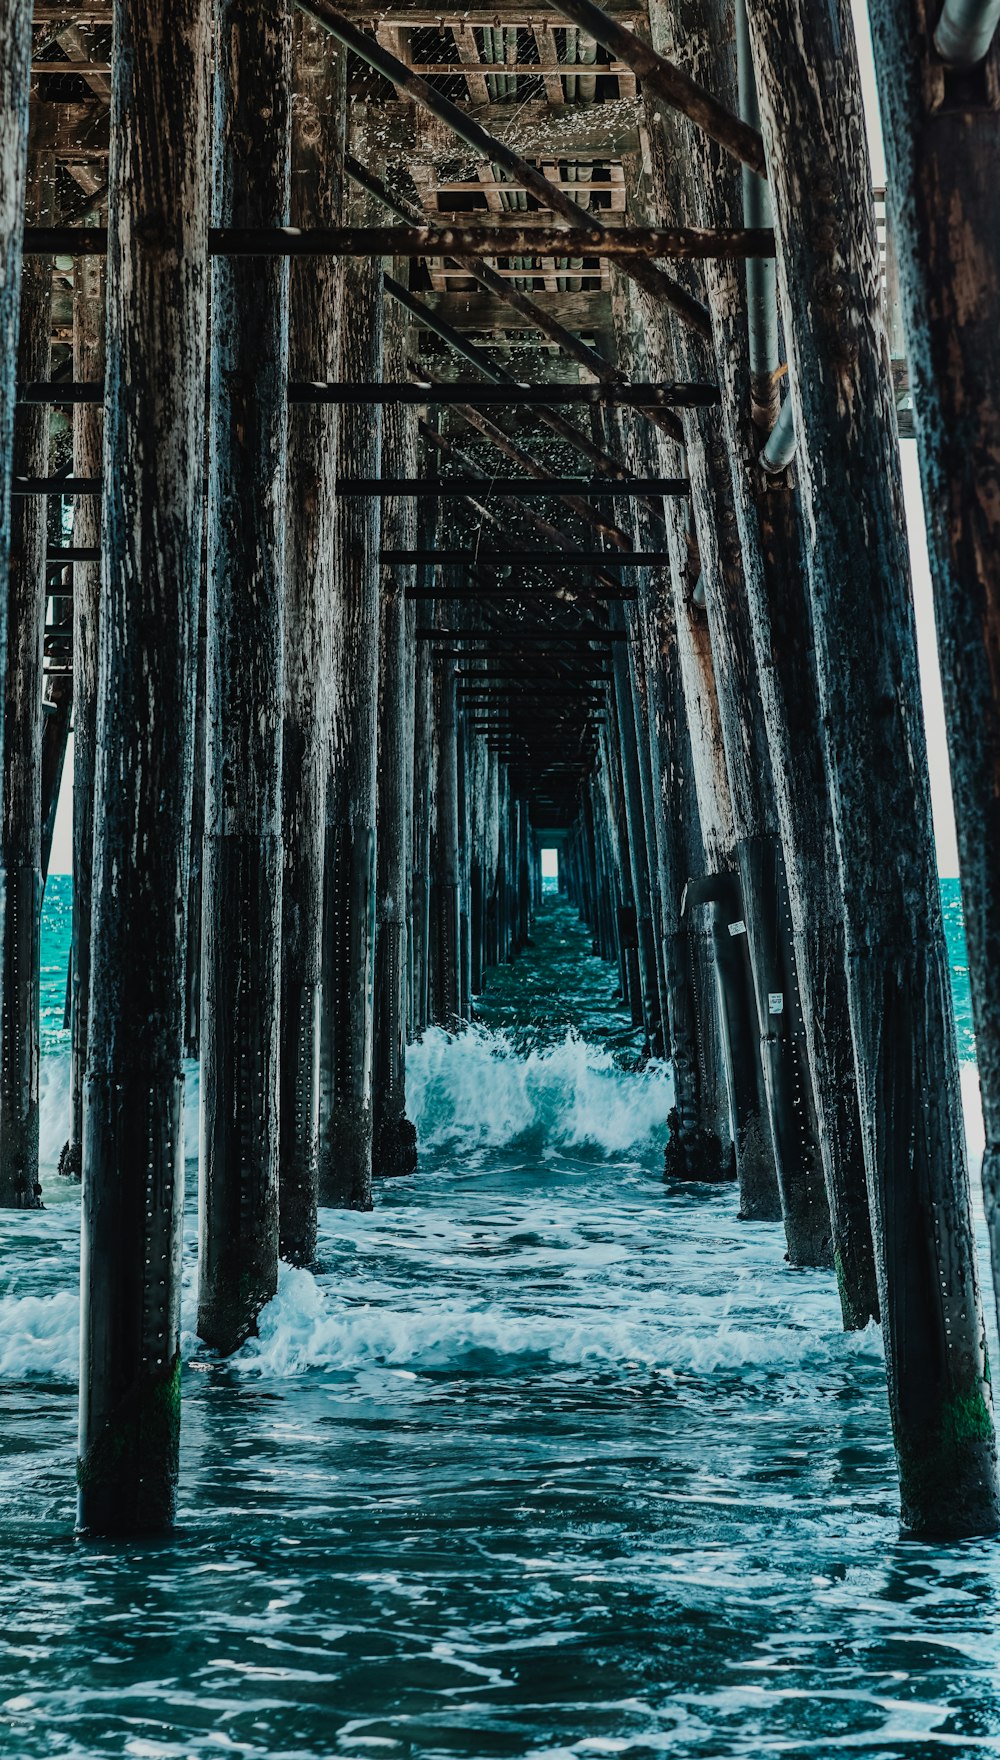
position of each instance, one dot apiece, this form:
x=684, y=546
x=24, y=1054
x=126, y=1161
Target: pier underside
x=432, y=436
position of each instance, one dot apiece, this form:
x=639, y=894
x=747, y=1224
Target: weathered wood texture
x=943, y=158
x=737, y=686
x=318, y=123
x=241, y=937
x=403, y=134
x=635, y=847
x=898, y=979
x=616, y=811
x=712, y=771
x=394, y=1138
x=193, y=964
x=650, y=805
x=88, y=441
x=698, y=1144
x=780, y=628
x=581, y=312
x=349, y=956
x=20, y=838
x=15, y=64
x=424, y=780
x=446, y=996
x=153, y=444
x=703, y=182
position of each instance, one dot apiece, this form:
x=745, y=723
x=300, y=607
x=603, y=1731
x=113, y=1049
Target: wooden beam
x=515, y=488
x=516, y=558
x=522, y=69
x=59, y=12
x=402, y=133
x=689, y=243
x=64, y=67
x=15, y=54
x=669, y=83
x=465, y=43
x=503, y=396
x=587, y=314
x=500, y=152
x=79, y=130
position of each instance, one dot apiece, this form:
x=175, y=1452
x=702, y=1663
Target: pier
x=432, y=436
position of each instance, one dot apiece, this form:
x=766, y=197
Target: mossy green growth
x=949, y=1487
x=146, y=1430
x=966, y=1418
x=850, y=1324
x=853, y=1321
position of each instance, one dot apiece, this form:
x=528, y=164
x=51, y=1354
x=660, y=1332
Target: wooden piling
x=818, y=1058
x=242, y=881
x=635, y=842
x=88, y=441
x=394, y=1137
x=423, y=812
x=446, y=1005
x=153, y=446
x=706, y=183
x=349, y=954
x=15, y=85
x=696, y=1146
x=943, y=158
x=898, y=979
x=318, y=129
x=21, y=833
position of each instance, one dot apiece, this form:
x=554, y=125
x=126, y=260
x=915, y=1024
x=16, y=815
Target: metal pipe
x=761, y=278
x=780, y=449
x=965, y=31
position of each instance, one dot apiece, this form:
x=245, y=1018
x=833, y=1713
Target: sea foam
x=477, y=1089
x=303, y=1329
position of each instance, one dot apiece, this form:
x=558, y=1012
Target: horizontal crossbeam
x=513, y=487
x=545, y=558
x=530, y=633
x=626, y=242
x=670, y=394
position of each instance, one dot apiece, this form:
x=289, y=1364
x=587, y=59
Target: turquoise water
x=57, y=914
x=547, y=1460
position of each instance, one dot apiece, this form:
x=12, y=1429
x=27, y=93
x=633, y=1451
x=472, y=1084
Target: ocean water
x=547, y=1460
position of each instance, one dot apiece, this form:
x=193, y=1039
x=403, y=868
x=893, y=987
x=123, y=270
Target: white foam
x=54, y=1108
x=479, y=1090
x=302, y=1329
x=975, y=1130
x=40, y=1335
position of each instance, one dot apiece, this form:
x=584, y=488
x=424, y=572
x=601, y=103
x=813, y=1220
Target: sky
x=944, y=824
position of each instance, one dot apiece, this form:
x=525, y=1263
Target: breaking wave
x=40, y=1335
x=478, y=1090
x=301, y=1330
